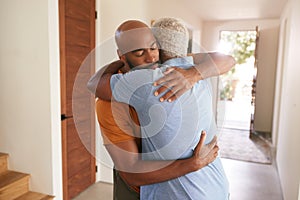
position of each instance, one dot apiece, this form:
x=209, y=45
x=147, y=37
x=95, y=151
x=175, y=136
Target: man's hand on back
x=176, y=82
x=205, y=154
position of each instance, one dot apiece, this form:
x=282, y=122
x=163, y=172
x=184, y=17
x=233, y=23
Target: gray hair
x=172, y=36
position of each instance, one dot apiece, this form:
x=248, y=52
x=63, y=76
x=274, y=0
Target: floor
x=236, y=144
x=98, y=191
x=248, y=181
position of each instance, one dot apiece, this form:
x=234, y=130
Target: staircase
x=15, y=185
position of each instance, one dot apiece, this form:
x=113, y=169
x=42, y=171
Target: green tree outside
x=240, y=45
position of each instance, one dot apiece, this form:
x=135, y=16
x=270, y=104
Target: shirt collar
x=188, y=60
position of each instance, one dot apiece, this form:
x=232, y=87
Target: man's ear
x=119, y=53
x=122, y=57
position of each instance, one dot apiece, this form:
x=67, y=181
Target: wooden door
x=77, y=40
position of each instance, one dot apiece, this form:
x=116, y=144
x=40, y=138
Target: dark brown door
x=77, y=40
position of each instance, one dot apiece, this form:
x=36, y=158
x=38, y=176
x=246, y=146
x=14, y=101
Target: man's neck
x=164, y=58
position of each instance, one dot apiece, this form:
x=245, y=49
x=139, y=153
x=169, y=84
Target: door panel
x=81, y=180
x=80, y=11
x=74, y=57
x=77, y=40
x=78, y=160
x=76, y=141
x=75, y=27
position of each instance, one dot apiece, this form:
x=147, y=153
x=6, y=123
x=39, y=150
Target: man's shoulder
x=139, y=76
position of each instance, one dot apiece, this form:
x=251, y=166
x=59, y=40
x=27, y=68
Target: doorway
x=236, y=86
x=236, y=100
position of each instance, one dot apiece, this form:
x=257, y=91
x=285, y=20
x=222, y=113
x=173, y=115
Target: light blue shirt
x=171, y=131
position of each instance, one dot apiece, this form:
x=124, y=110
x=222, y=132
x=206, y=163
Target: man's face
x=142, y=57
x=137, y=47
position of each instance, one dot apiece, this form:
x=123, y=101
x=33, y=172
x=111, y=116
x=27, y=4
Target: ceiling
x=236, y=9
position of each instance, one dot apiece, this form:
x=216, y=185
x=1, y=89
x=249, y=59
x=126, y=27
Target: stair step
x=3, y=162
x=13, y=184
x=34, y=196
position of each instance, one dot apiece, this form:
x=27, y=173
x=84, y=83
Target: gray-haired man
x=170, y=131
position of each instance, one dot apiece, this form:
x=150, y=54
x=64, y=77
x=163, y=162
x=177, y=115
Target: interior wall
x=178, y=9
x=281, y=62
x=27, y=100
x=267, y=54
x=265, y=80
x=113, y=13
x=288, y=160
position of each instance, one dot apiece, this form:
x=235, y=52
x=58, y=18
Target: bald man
x=119, y=126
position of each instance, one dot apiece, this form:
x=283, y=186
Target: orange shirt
x=119, y=123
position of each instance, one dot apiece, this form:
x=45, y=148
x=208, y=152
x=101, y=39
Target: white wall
x=26, y=104
x=288, y=148
x=265, y=80
x=267, y=55
x=113, y=13
x=179, y=9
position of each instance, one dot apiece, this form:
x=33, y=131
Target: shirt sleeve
x=117, y=122
x=124, y=86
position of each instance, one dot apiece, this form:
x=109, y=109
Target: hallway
x=248, y=181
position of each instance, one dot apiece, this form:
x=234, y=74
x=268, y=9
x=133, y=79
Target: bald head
x=132, y=35
x=129, y=25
